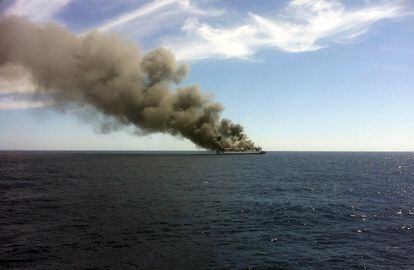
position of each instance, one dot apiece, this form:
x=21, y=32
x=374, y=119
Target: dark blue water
x=139, y=211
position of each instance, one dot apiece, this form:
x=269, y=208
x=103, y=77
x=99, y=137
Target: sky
x=301, y=75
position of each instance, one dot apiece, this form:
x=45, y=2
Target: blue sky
x=299, y=75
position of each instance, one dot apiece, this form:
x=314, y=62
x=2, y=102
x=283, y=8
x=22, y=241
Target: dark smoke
x=110, y=75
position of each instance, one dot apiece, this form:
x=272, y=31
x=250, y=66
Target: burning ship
x=240, y=151
x=221, y=150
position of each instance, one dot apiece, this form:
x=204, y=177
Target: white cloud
x=135, y=14
x=16, y=86
x=37, y=10
x=156, y=18
x=303, y=25
x=11, y=103
x=155, y=8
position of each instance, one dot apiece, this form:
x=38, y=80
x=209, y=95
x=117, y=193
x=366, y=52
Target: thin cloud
x=16, y=86
x=154, y=8
x=302, y=26
x=135, y=14
x=12, y=103
x=37, y=10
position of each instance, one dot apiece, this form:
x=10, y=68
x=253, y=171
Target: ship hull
x=241, y=153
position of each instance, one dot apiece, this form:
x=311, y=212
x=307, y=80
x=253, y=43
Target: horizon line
x=201, y=150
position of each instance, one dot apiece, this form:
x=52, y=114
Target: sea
x=197, y=210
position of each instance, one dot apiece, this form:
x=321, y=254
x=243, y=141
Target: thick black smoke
x=109, y=74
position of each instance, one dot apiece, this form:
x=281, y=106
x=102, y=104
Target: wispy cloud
x=135, y=14
x=154, y=8
x=16, y=86
x=303, y=25
x=13, y=102
x=37, y=10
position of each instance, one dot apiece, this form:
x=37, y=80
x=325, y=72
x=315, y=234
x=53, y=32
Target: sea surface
x=132, y=210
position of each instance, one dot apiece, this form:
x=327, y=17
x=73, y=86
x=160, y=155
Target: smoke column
x=110, y=75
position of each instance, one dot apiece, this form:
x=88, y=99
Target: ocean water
x=282, y=210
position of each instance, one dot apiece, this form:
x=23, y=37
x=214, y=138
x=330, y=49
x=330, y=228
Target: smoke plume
x=110, y=75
